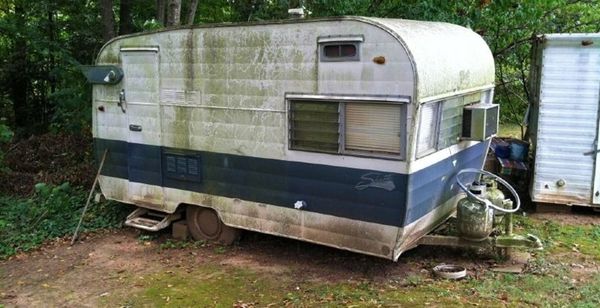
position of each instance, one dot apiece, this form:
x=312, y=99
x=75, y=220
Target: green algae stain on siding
x=181, y=127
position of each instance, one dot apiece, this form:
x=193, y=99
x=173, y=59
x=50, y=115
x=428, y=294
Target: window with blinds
x=373, y=128
x=352, y=128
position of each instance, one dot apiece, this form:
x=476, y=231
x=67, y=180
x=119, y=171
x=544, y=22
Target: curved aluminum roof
x=447, y=58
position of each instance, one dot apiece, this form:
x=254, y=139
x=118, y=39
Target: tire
x=205, y=224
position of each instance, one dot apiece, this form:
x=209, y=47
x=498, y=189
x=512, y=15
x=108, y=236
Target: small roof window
x=339, y=48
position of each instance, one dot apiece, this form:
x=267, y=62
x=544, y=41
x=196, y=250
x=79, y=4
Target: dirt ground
x=107, y=268
x=127, y=268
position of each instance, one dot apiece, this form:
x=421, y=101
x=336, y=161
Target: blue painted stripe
x=436, y=184
x=359, y=194
x=326, y=189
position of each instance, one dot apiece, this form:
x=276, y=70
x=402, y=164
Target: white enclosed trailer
x=565, y=76
x=340, y=131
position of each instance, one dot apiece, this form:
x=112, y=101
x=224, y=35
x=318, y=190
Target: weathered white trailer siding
x=567, y=88
x=220, y=95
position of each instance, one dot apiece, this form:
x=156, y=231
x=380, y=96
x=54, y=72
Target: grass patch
x=559, y=238
x=210, y=285
x=52, y=212
x=509, y=130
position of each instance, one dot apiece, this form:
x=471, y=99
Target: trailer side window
x=441, y=123
x=352, y=128
x=427, y=129
x=451, y=122
x=314, y=126
x=373, y=128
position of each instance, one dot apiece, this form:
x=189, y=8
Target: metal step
x=149, y=220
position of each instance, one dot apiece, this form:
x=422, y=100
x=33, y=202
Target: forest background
x=44, y=42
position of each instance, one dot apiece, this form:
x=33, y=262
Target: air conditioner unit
x=480, y=121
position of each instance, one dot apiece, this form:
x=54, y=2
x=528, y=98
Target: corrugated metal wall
x=567, y=125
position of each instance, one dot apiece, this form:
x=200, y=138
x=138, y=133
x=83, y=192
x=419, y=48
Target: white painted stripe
x=368, y=163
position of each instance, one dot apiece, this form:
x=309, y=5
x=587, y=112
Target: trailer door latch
x=122, y=100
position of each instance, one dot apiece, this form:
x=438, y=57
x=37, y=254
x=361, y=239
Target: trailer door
x=566, y=164
x=140, y=93
x=596, y=155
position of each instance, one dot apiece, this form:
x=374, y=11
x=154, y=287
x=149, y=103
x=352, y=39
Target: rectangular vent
x=182, y=167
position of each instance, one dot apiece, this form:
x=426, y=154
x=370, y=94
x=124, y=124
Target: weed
x=595, y=233
x=142, y=238
x=413, y=280
x=5, y=136
x=220, y=249
x=174, y=244
x=52, y=212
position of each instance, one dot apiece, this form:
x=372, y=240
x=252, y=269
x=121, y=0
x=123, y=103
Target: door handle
x=122, y=100
x=135, y=128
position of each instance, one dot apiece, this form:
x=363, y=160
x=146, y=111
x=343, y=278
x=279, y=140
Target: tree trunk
x=108, y=20
x=160, y=11
x=48, y=109
x=192, y=12
x=18, y=81
x=125, y=22
x=173, y=13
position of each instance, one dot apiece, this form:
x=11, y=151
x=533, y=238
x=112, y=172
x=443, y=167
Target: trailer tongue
x=475, y=220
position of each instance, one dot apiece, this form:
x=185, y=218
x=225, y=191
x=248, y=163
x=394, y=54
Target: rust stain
x=379, y=60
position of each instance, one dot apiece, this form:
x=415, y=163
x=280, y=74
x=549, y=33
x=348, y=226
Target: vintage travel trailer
x=563, y=126
x=346, y=132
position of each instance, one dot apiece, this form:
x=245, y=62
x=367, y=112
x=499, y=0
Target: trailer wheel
x=205, y=224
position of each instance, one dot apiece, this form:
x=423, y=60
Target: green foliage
x=175, y=244
x=52, y=212
x=6, y=136
x=45, y=41
x=143, y=238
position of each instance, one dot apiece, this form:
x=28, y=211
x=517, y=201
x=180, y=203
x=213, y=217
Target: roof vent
x=297, y=13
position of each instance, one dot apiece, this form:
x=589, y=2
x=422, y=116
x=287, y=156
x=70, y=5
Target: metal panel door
x=596, y=153
x=140, y=93
x=567, y=124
